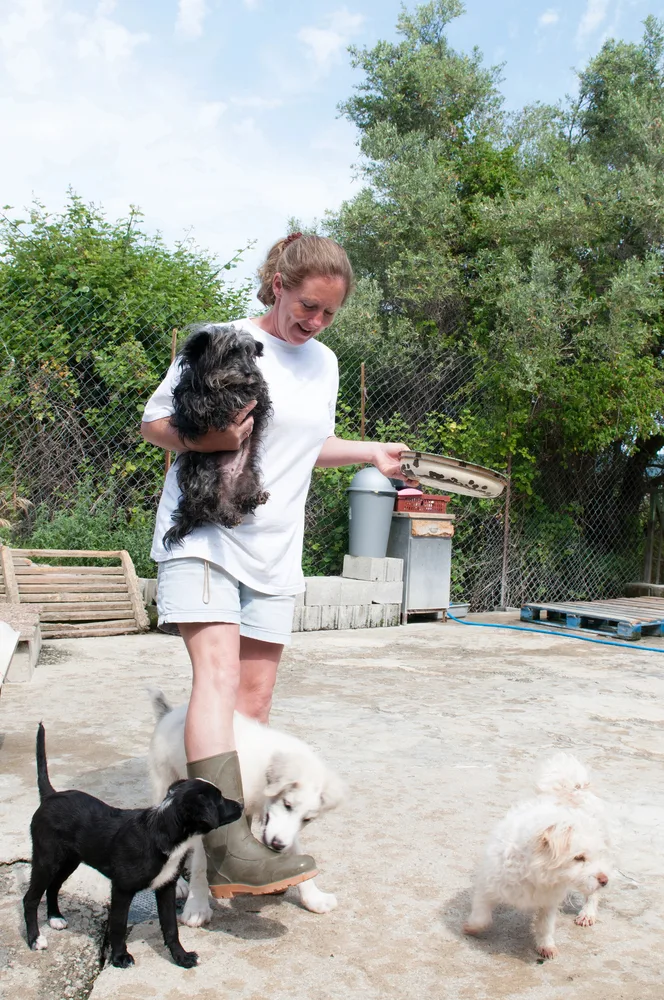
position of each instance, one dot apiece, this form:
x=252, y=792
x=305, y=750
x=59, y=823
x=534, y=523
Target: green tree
x=88, y=307
x=523, y=253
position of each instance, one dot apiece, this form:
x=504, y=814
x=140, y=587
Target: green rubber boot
x=237, y=863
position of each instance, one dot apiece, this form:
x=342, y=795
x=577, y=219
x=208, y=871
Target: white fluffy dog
x=285, y=784
x=544, y=849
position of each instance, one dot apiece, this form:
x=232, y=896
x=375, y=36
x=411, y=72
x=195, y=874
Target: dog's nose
x=602, y=878
x=276, y=844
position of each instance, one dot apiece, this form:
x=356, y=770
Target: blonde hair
x=298, y=257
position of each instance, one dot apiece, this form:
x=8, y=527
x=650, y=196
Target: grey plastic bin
x=370, y=506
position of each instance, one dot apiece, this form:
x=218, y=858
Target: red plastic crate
x=422, y=505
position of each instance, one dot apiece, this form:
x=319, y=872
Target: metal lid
x=451, y=475
x=370, y=480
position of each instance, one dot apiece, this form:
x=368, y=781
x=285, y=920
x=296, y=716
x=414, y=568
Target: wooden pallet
x=75, y=600
x=627, y=618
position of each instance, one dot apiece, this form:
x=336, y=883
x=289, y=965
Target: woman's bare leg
x=236, y=862
x=258, y=674
x=214, y=651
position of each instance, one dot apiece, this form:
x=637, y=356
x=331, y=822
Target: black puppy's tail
x=43, y=782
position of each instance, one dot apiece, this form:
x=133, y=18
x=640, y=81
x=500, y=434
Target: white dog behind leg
x=197, y=910
x=311, y=897
x=285, y=784
x=544, y=849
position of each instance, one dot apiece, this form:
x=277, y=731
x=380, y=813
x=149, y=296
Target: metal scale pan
x=451, y=475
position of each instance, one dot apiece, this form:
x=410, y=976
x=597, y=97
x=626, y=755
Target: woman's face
x=302, y=312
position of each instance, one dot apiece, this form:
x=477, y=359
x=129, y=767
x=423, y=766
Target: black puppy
x=219, y=376
x=135, y=848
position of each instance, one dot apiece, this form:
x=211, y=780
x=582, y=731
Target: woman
x=231, y=592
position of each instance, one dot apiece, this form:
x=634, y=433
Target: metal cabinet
x=424, y=542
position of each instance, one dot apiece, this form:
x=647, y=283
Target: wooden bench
x=74, y=600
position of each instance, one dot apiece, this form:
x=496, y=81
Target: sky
x=218, y=118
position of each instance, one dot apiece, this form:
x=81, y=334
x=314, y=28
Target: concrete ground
x=436, y=729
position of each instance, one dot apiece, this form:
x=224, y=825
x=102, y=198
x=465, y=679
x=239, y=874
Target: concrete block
x=24, y=619
x=25, y=657
x=392, y=614
x=299, y=600
x=311, y=619
x=356, y=591
x=22, y=666
x=344, y=617
x=322, y=590
x=360, y=616
x=298, y=614
x=384, y=615
x=329, y=617
x=9, y=639
x=369, y=568
x=387, y=593
x=376, y=616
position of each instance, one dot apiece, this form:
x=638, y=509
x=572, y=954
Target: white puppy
x=285, y=784
x=544, y=849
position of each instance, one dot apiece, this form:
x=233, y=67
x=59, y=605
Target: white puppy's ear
x=333, y=791
x=279, y=776
x=555, y=842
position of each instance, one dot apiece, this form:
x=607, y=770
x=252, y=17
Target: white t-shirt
x=265, y=550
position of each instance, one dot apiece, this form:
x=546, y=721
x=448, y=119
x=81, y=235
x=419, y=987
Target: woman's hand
x=387, y=459
x=336, y=452
x=232, y=438
x=162, y=434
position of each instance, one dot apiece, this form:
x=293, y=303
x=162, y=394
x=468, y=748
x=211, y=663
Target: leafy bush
x=90, y=519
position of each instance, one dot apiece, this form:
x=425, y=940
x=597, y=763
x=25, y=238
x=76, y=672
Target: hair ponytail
x=297, y=257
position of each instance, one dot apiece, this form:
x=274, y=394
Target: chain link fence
x=76, y=371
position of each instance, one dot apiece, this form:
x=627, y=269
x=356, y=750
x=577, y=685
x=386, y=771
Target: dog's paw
x=196, y=912
x=315, y=900
x=122, y=961
x=39, y=944
x=474, y=929
x=186, y=959
x=181, y=888
x=57, y=923
x=585, y=919
x=547, y=950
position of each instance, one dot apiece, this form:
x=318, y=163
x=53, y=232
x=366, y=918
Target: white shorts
x=194, y=590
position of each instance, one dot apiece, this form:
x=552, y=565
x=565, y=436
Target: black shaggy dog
x=219, y=376
x=135, y=848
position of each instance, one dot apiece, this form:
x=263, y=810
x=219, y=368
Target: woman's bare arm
x=162, y=434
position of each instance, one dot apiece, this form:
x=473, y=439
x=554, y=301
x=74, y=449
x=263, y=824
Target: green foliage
x=509, y=311
x=87, y=313
x=620, y=101
x=420, y=85
x=90, y=519
x=521, y=257
x=326, y=536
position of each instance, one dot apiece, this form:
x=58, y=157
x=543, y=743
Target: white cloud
x=326, y=44
x=257, y=103
x=100, y=37
x=21, y=37
x=548, y=18
x=138, y=132
x=209, y=113
x=593, y=16
x=25, y=19
x=191, y=14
